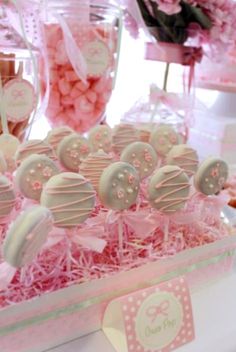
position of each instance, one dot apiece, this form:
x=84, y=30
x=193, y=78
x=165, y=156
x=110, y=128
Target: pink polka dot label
x=151, y=320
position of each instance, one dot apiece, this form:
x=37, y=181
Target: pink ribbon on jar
x=154, y=311
x=191, y=55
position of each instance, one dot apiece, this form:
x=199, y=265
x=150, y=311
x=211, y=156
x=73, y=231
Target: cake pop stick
x=168, y=192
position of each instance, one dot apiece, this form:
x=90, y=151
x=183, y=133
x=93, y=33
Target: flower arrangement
x=176, y=21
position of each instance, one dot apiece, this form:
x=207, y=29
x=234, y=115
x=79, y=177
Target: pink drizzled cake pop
x=211, y=176
x=142, y=157
x=119, y=186
x=168, y=189
x=33, y=173
x=92, y=167
x=70, y=197
x=55, y=136
x=100, y=137
x=163, y=138
x=33, y=146
x=7, y=197
x=72, y=150
x=185, y=157
x=123, y=135
x=26, y=236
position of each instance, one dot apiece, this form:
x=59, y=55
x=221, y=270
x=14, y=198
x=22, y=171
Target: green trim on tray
x=110, y=296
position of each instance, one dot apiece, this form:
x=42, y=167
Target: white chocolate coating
x=92, y=167
x=72, y=150
x=142, y=157
x=211, y=176
x=3, y=164
x=70, y=197
x=185, y=157
x=26, y=236
x=7, y=197
x=168, y=189
x=100, y=137
x=34, y=146
x=163, y=138
x=119, y=186
x=33, y=173
x=8, y=146
x=123, y=135
x=55, y=136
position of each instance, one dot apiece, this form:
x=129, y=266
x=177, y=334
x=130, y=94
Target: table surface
x=214, y=309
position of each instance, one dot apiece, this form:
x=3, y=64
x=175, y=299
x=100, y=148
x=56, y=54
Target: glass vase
x=81, y=46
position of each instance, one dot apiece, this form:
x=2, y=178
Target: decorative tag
x=157, y=319
x=97, y=56
x=19, y=99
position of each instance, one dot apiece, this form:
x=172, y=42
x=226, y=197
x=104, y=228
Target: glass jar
x=81, y=42
x=18, y=67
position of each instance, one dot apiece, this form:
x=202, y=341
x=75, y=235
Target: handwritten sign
x=158, y=319
x=19, y=99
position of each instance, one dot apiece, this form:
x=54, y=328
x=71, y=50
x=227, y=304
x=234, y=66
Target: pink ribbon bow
x=142, y=222
x=17, y=93
x=170, y=100
x=154, y=311
x=191, y=55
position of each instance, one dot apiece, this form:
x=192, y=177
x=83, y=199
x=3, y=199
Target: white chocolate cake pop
x=168, y=189
x=100, y=137
x=34, y=146
x=211, y=176
x=92, y=167
x=185, y=157
x=26, y=236
x=72, y=150
x=142, y=157
x=123, y=135
x=163, y=138
x=119, y=186
x=70, y=197
x=7, y=197
x=8, y=146
x=56, y=135
x=33, y=173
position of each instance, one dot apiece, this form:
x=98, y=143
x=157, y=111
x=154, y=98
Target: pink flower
x=170, y=7
x=36, y=185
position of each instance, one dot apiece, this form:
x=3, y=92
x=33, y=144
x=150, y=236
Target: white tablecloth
x=214, y=309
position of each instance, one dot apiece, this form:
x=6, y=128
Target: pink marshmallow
x=54, y=99
x=61, y=57
x=53, y=34
x=64, y=86
x=91, y=96
x=75, y=93
x=99, y=86
x=67, y=100
x=83, y=105
x=82, y=86
x=71, y=76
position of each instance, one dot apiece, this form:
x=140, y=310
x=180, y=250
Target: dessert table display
x=113, y=229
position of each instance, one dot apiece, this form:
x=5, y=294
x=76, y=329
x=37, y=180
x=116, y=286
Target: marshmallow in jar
x=81, y=57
